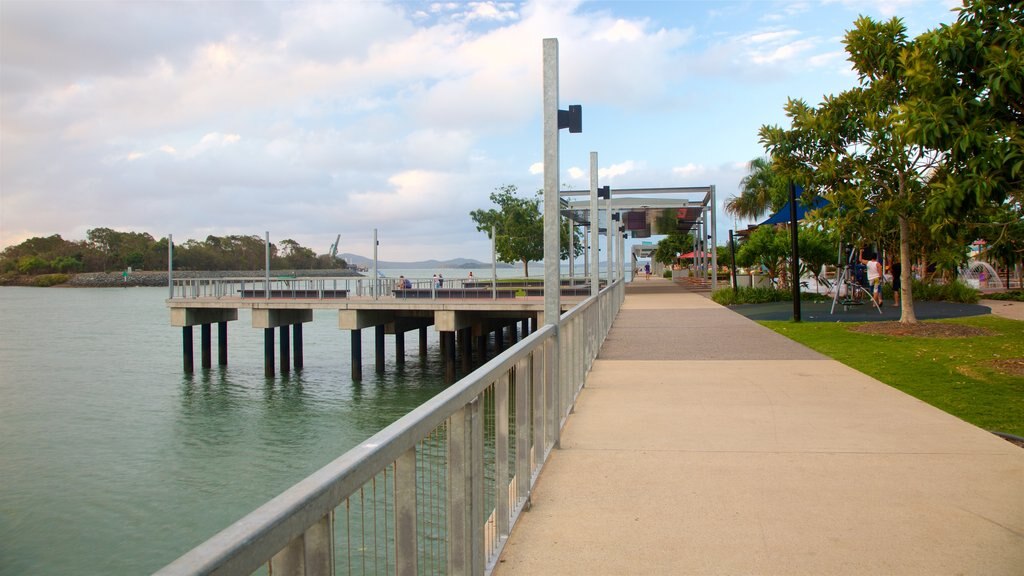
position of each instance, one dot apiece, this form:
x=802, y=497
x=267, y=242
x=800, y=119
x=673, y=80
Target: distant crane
x=334, y=247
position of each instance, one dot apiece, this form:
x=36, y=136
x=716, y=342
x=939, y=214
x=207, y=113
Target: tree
x=767, y=246
x=518, y=225
x=853, y=147
x=761, y=190
x=669, y=248
x=966, y=100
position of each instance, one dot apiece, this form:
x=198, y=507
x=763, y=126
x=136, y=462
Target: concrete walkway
x=704, y=443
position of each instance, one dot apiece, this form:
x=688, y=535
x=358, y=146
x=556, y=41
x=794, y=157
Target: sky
x=310, y=120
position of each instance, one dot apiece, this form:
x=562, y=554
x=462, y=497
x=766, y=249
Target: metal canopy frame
x=694, y=215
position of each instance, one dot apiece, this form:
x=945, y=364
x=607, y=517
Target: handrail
x=508, y=411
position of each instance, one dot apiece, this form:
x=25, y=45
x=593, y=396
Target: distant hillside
x=361, y=261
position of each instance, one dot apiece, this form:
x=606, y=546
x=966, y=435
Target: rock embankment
x=156, y=279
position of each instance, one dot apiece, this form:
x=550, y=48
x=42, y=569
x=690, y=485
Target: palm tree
x=761, y=190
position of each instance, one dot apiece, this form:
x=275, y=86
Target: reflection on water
x=114, y=462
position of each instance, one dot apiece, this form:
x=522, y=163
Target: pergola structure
x=643, y=212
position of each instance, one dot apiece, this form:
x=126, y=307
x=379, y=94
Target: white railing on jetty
x=328, y=288
x=438, y=491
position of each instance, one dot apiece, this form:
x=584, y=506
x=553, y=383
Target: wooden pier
x=466, y=317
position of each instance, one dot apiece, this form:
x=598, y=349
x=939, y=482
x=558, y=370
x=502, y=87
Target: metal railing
x=325, y=288
x=436, y=492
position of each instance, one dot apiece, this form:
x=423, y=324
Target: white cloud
x=576, y=173
x=689, y=170
x=620, y=169
x=537, y=168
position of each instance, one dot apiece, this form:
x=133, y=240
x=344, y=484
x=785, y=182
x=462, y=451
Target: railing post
x=501, y=482
x=406, y=545
x=522, y=470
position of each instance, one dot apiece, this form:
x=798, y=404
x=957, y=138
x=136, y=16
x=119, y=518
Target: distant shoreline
x=158, y=279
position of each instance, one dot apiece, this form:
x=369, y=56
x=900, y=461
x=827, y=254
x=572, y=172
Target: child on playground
x=874, y=270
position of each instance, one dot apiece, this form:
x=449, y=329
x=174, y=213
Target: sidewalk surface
x=704, y=443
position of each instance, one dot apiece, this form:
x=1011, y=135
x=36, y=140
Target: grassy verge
x=956, y=375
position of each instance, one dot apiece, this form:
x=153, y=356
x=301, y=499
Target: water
x=112, y=461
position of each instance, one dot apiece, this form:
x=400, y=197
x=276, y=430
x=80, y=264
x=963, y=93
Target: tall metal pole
x=595, y=276
x=266, y=268
x=552, y=284
x=170, y=265
x=572, y=250
x=714, y=240
x=375, y=280
x=494, y=262
x=609, y=240
x=732, y=250
x=796, y=252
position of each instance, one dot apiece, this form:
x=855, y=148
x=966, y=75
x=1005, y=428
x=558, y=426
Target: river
x=112, y=461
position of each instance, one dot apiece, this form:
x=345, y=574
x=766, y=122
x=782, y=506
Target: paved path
x=704, y=443
x=1006, y=309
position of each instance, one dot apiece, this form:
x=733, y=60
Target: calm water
x=112, y=461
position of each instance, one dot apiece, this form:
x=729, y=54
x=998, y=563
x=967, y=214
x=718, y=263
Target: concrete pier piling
x=222, y=343
x=400, y=347
x=356, y=340
x=378, y=348
x=297, y=345
x=205, y=345
x=186, y=349
x=268, y=352
x=186, y=318
x=286, y=344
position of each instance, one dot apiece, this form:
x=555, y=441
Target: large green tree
x=668, y=249
x=853, y=147
x=519, y=228
x=966, y=99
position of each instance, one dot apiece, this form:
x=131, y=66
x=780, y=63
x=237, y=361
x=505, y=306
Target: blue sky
x=312, y=120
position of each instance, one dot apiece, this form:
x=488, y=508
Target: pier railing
x=436, y=492
x=330, y=288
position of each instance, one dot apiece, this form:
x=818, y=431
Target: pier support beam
x=297, y=345
x=222, y=343
x=499, y=340
x=357, y=354
x=423, y=341
x=186, y=318
x=400, y=347
x=205, y=345
x=465, y=344
x=378, y=333
x=448, y=338
x=481, y=346
x=186, y=349
x=268, y=352
x=286, y=361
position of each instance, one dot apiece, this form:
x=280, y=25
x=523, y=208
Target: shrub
x=952, y=292
x=47, y=280
x=667, y=274
x=1013, y=295
x=762, y=295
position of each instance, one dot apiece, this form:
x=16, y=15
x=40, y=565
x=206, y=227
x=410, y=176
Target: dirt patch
x=921, y=330
x=1011, y=366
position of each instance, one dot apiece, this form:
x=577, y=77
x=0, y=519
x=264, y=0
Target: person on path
x=874, y=272
x=896, y=269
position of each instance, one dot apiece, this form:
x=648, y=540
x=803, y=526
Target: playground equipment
x=847, y=285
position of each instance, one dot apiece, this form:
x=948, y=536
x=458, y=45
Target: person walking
x=874, y=273
x=896, y=270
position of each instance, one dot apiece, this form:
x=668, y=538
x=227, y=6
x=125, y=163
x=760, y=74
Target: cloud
x=537, y=168
x=689, y=170
x=620, y=169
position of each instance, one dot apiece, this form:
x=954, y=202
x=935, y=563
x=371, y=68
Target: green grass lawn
x=953, y=374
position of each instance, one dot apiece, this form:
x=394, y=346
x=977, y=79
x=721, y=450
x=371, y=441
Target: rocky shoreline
x=157, y=279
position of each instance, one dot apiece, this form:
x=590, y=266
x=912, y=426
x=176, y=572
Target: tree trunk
x=526, y=268
x=907, y=315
